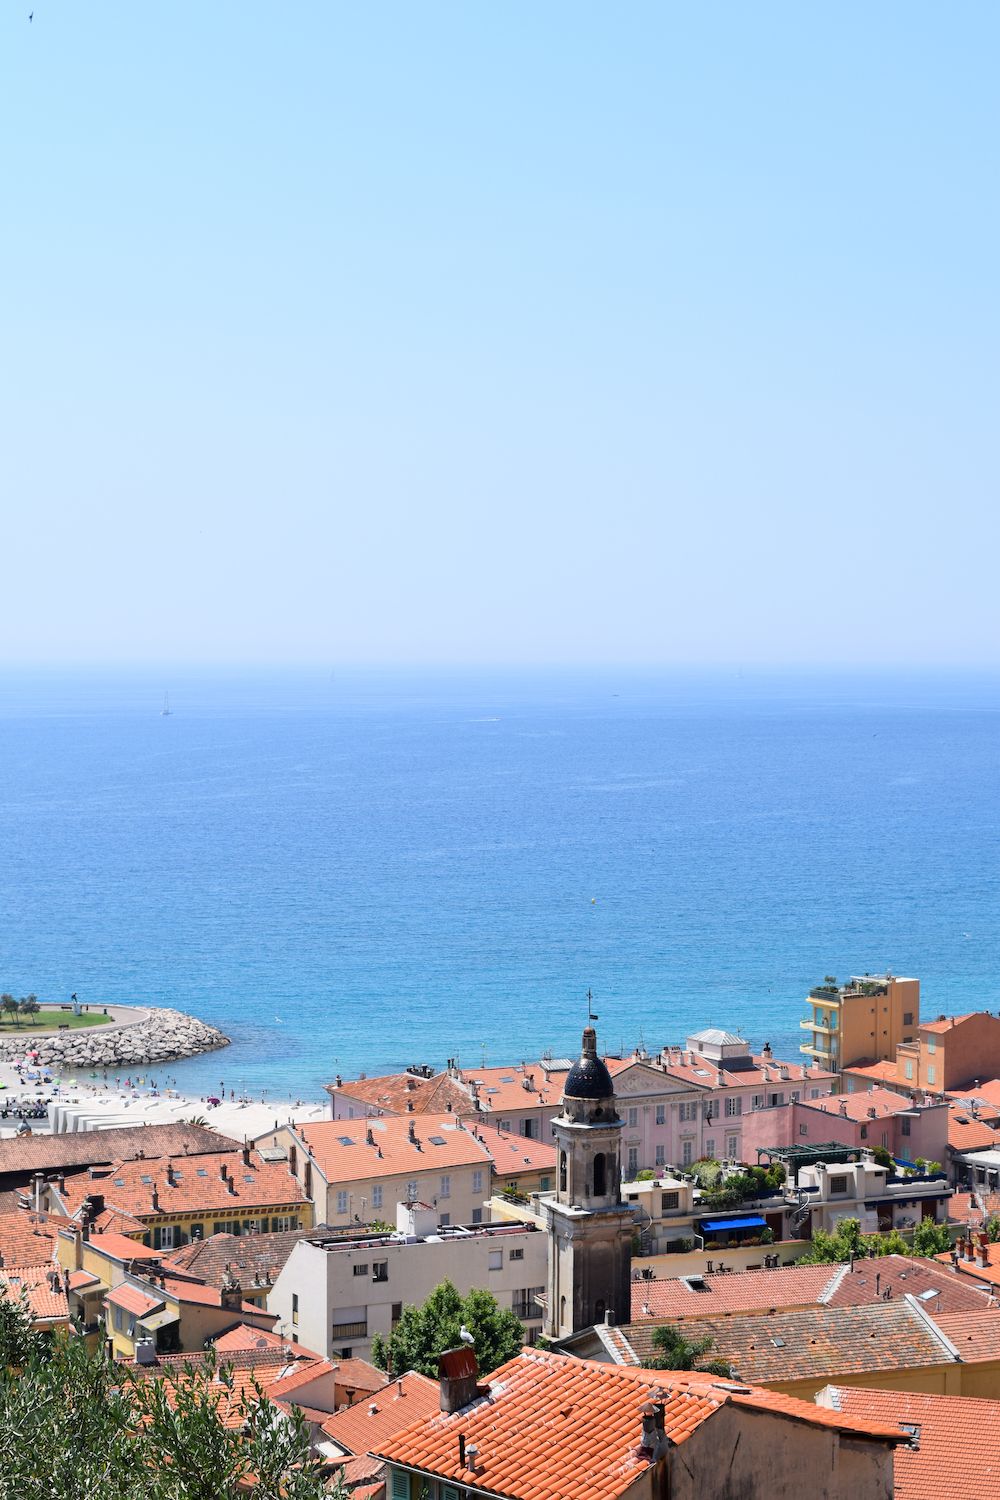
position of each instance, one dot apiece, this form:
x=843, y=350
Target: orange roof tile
x=541, y=1406
x=967, y=1134
x=514, y=1154
x=121, y=1247
x=955, y=1450
x=945, y=1024
x=244, y=1337
x=28, y=1238
x=359, y=1375
x=80, y=1280
x=989, y=1274
x=939, y=1290
x=502, y=1090
x=885, y=1072
x=197, y=1186
x=131, y=1300
x=440, y=1142
x=741, y=1292
x=857, y=1106
x=395, y=1093
x=815, y=1342
x=363, y=1427
x=986, y=1090
x=976, y=1335
x=46, y=1302
x=705, y=1073
x=303, y=1374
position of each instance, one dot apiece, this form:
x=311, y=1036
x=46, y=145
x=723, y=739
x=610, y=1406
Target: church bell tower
x=590, y=1228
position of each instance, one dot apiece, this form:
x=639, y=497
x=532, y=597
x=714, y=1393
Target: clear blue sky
x=559, y=332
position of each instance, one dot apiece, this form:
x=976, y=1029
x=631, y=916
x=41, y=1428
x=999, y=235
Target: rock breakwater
x=146, y=1036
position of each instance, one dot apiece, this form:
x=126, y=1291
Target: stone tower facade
x=590, y=1228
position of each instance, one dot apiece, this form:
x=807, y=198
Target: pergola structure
x=794, y=1157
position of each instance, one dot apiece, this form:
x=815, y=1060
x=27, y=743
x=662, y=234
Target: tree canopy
x=424, y=1332
x=847, y=1240
x=76, y=1425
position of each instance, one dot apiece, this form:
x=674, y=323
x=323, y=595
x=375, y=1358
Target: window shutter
x=400, y=1485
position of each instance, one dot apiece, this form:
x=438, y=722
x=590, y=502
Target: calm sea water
x=367, y=870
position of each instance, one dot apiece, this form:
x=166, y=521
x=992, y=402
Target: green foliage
x=993, y=1228
x=738, y=1187
x=930, y=1238
x=882, y=1156
x=846, y=1240
x=75, y=1425
x=767, y=1236
x=672, y=1351
x=646, y=1175
x=706, y=1172
x=425, y=1332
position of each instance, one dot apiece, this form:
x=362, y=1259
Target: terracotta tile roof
x=25, y=1155
x=241, y=1390
x=987, y=1275
x=502, y=1090
x=121, y=1247
x=303, y=1375
x=280, y=1361
x=740, y=1292
x=359, y=1375
x=705, y=1073
x=884, y=1072
x=355, y=1471
x=119, y=1223
x=940, y=1027
x=359, y=1161
x=394, y=1092
x=369, y=1491
x=542, y=1407
x=973, y=1208
x=955, y=1450
x=986, y=1090
x=197, y=1186
x=976, y=1335
x=131, y=1300
x=79, y=1281
x=243, y=1337
x=197, y=1294
x=29, y=1239
x=47, y=1303
x=816, y=1342
x=360, y=1429
x=856, y=1106
x=968, y=1134
x=245, y=1255
x=937, y=1289
x=513, y=1154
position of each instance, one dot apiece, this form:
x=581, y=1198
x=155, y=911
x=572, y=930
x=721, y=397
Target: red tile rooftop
x=45, y=1294
x=945, y=1023
x=739, y=1292
x=343, y=1152
x=953, y=1450
x=186, y=1184
x=369, y=1423
x=28, y=1238
x=859, y=1106
x=405, y=1093
x=556, y=1428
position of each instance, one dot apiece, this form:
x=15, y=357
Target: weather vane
x=591, y=1014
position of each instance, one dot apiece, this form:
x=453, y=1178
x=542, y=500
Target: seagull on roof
x=465, y=1335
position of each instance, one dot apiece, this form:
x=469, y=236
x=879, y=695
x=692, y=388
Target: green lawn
x=48, y=1020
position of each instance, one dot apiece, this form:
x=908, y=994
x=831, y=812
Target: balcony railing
x=817, y=1026
x=350, y=1330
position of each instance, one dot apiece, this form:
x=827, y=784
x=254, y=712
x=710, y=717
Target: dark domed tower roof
x=588, y=1078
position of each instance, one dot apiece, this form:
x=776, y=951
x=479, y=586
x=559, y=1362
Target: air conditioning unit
x=145, y=1352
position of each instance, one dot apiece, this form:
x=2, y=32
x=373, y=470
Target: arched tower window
x=600, y=1179
x=562, y=1171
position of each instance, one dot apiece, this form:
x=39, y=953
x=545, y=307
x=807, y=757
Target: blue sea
x=359, y=870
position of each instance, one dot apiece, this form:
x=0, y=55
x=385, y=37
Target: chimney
x=171, y=1180
x=409, y=1108
x=654, y=1440
x=246, y=1153
x=37, y=1191
x=458, y=1375
x=222, y=1170
x=765, y=1052
x=412, y=1132
x=369, y=1136
x=156, y=1200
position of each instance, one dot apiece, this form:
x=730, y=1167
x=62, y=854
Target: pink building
x=878, y=1117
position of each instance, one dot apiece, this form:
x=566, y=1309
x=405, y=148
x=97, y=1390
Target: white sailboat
x=166, y=710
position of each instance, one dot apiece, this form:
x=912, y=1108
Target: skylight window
x=202, y=1172
x=345, y=1140
x=932, y=1291
x=141, y=1179
x=436, y=1140
x=120, y=1181
x=778, y=1343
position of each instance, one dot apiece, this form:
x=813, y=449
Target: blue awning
x=713, y=1226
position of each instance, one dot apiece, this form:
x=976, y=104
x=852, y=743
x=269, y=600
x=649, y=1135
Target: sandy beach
x=55, y=1103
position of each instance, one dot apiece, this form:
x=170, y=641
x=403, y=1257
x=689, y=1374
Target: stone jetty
x=134, y=1037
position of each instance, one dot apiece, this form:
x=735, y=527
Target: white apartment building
x=334, y=1296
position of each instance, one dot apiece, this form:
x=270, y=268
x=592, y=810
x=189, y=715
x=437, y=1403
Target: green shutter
x=400, y=1485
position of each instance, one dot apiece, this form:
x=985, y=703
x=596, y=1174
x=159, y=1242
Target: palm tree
x=29, y=1006
x=10, y=1007
x=672, y=1351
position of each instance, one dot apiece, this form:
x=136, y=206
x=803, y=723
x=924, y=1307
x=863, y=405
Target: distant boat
x=166, y=710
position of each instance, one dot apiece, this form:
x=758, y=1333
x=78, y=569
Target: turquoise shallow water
x=361, y=871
